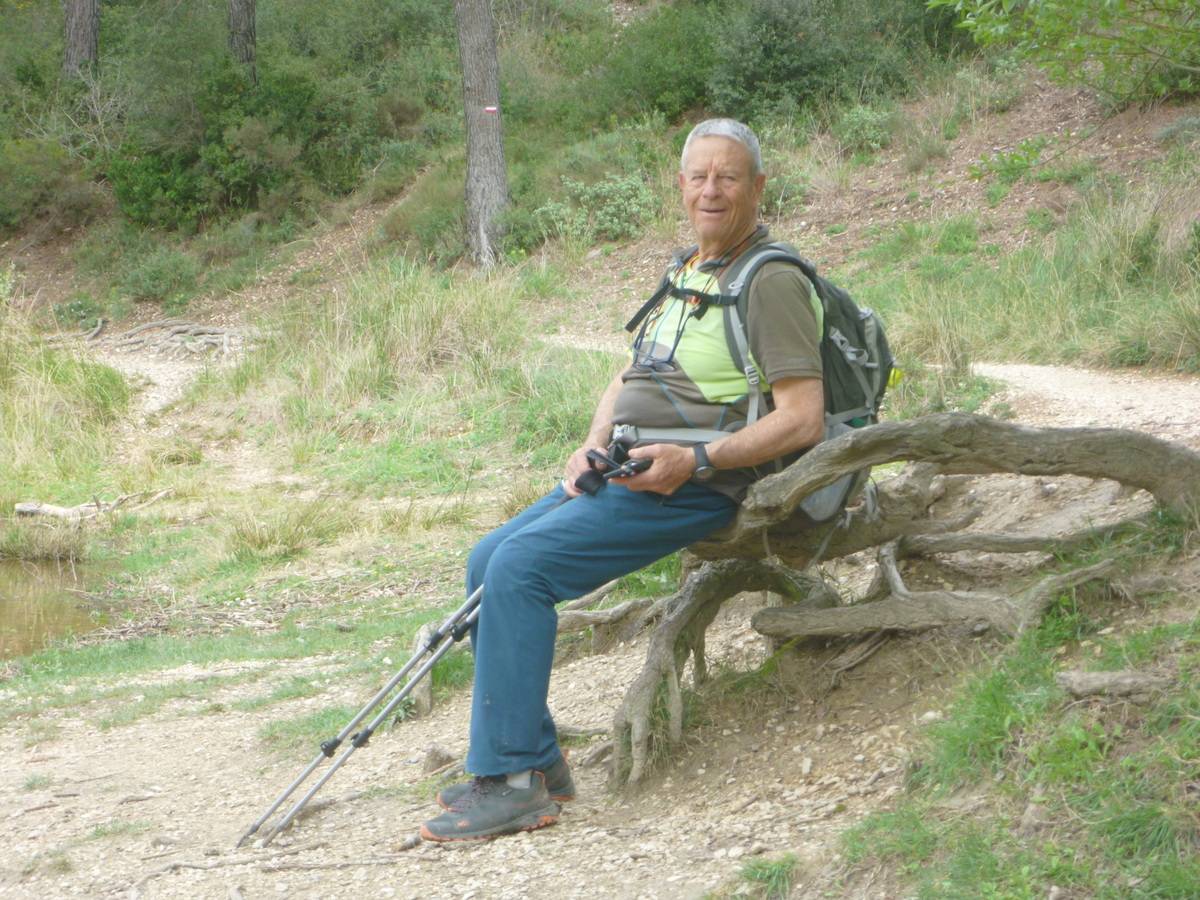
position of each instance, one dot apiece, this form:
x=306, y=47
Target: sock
x=519, y=780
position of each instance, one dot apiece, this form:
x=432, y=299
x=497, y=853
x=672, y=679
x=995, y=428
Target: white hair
x=726, y=128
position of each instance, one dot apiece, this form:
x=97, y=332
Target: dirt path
x=1164, y=405
x=153, y=809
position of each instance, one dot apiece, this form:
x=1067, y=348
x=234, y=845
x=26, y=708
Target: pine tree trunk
x=82, y=35
x=487, y=182
x=242, y=39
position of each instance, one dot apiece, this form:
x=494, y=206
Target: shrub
x=864, y=129
x=41, y=182
x=613, y=208
x=779, y=54
x=659, y=63
x=164, y=274
x=162, y=189
x=1133, y=50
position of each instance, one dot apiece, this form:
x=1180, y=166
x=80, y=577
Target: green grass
x=1116, y=284
x=307, y=730
x=770, y=879
x=118, y=828
x=56, y=412
x=281, y=534
x=1116, y=816
x=295, y=688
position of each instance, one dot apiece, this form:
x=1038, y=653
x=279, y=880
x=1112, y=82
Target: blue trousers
x=558, y=549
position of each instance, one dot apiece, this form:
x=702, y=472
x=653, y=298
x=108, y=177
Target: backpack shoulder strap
x=737, y=338
x=664, y=286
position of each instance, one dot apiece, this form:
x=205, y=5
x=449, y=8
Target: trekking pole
x=455, y=628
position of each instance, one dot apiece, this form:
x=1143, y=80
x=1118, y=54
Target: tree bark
x=975, y=445
x=243, y=42
x=81, y=35
x=487, y=181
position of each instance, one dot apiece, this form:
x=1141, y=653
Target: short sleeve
x=782, y=324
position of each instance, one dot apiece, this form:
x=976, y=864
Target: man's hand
x=577, y=464
x=672, y=466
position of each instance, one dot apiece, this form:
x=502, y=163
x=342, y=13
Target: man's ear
x=760, y=182
x=682, y=181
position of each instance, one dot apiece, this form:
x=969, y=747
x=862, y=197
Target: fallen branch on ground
x=89, y=510
x=1111, y=684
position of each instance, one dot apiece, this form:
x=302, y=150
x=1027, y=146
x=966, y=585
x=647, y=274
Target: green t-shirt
x=683, y=375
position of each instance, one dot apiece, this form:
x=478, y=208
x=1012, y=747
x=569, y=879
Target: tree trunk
x=82, y=36
x=487, y=182
x=242, y=39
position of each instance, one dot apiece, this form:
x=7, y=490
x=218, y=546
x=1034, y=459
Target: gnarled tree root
x=956, y=443
x=905, y=610
x=680, y=632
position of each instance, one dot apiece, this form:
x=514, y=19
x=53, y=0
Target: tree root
x=910, y=611
x=900, y=524
x=965, y=444
x=686, y=617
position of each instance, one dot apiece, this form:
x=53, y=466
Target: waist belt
x=632, y=435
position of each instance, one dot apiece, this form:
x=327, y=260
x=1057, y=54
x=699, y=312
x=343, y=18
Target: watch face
x=704, y=473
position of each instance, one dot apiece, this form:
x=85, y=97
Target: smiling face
x=720, y=193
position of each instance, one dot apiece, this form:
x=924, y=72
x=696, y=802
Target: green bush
x=864, y=129
x=780, y=55
x=614, y=208
x=659, y=63
x=41, y=182
x=1132, y=50
x=164, y=274
x=158, y=188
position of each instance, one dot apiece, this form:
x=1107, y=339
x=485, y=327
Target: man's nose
x=710, y=184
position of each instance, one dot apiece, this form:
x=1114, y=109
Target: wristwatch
x=704, y=470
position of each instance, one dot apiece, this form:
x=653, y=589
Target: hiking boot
x=558, y=783
x=495, y=808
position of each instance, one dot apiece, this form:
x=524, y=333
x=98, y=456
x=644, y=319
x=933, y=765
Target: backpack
x=856, y=361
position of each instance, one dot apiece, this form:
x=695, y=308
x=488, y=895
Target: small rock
x=806, y=765
x=934, y=715
x=436, y=757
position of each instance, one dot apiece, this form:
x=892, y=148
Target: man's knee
x=516, y=568
x=477, y=562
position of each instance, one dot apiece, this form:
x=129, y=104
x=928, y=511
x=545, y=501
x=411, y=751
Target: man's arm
x=598, y=436
x=797, y=421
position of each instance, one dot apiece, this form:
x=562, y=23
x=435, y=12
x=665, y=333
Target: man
x=681, y=377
